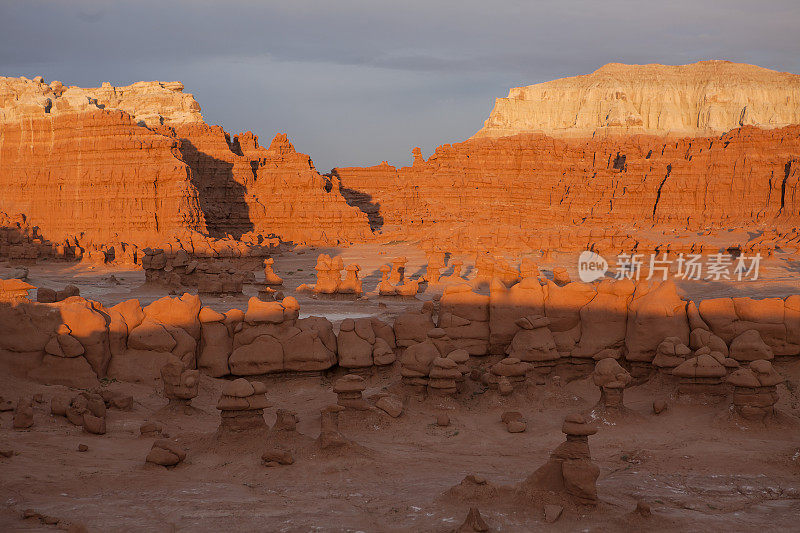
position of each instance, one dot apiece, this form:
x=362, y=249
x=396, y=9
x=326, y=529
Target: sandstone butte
x=138, y=164
x=705, y=98
x=603, y=160
x=613, y=160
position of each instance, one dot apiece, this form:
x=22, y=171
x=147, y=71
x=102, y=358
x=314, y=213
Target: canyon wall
x=532, y=191
x=138, y=164
x=96, y=175
x=705, y=98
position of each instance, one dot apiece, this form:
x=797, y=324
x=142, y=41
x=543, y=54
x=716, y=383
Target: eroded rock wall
x=96, y=174
x=532, y=192
x=137, y=164
x=704, y=98
x=77, y=341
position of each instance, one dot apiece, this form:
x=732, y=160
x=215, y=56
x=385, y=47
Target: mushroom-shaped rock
x=670, y=353
x=510, y=368
x=575, y=425
x=242, y=405
x=398, y=270
x=701, y=374
x=386, y=287
x=612, y=380
x=443, y=376
x=570, y=468
x=240, y=388
x=754, y=390
x=351, y=283
x=744, y=377
x=349, y=391
x=750, y=347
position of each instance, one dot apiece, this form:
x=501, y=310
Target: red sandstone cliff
x=95, y=175
x=533, y=191
x=246, y=188
x=137, y=164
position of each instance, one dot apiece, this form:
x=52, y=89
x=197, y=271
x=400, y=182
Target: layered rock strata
x=704, y=98
x=611, y=194
x=147, y=170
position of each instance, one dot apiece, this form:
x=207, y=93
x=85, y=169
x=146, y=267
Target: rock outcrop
x=570, y=469
x=242, y=405
x=96, y=175
x=148, y=170
x=704, y=98
x=76, y=342
x=611, y=194
x=150, y=103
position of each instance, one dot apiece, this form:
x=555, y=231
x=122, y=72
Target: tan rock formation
x=704, y=98
x=150, y=102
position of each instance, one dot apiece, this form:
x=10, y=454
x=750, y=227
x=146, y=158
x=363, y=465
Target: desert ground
x=695, y=466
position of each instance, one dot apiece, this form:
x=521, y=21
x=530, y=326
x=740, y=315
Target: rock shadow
x=221, y=197
x=363, y=202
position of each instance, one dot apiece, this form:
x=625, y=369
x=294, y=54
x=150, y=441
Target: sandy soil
x=696, y=467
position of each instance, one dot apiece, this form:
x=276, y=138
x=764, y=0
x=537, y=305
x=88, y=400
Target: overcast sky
x=354, y=83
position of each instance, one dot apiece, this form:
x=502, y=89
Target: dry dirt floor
x=696, y=465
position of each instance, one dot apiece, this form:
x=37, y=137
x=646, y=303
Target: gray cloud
x=359, y=82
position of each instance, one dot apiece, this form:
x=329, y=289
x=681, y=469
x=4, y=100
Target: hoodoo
x=347, y=344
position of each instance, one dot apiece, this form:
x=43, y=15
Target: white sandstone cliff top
x=149, y=102
x=704, y=98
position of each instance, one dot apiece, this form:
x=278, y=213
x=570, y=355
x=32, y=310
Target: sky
x=356, y=83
